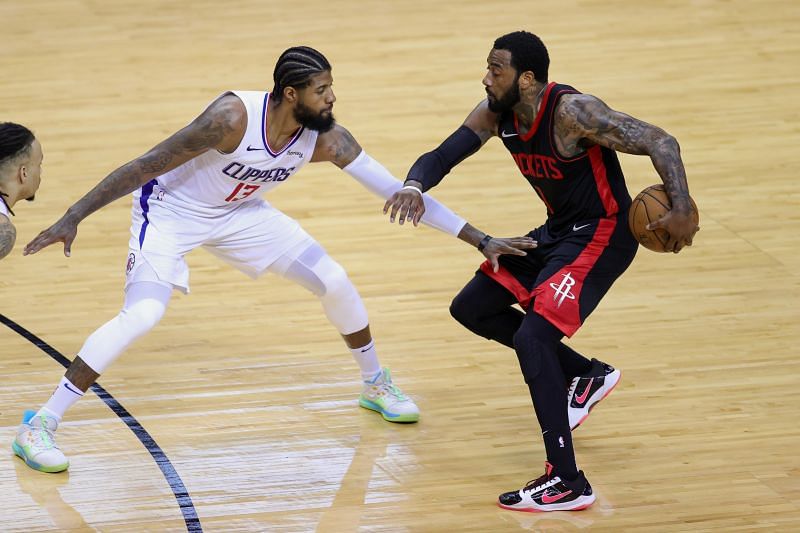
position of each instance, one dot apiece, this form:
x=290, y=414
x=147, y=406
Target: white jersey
x=3, y=208
x=213, y=181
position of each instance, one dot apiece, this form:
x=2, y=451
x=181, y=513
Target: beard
x=321, y=122
x=506, y=101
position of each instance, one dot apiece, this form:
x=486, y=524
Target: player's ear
x=526, y=80
x=290, y=94
x=22, y=174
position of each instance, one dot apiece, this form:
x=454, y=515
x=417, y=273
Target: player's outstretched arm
x=8, y=235
x=581, y=118
x=220, y=126
x=339, y=147
x=493, y=247
x=431, y=167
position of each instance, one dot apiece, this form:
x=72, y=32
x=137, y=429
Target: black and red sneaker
x=550, y=493
x=587, y=390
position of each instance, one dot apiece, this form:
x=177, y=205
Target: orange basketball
x=648, y=206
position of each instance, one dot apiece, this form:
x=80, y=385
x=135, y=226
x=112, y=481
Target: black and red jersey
x=588, y=186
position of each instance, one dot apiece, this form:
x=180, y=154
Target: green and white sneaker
x=36, y=445
x=383, y=396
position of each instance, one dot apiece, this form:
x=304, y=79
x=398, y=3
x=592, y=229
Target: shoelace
x=397, y=393
x=43, y=437
x=388, y=384
x=535, y=485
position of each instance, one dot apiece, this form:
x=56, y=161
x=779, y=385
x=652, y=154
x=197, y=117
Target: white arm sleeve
x=380, y=181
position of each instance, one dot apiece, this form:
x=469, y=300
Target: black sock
x=560, y=452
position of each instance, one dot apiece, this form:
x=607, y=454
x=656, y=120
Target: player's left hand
x=408, y=202
x=681, y=226
x=498, y=246
x=64, y=230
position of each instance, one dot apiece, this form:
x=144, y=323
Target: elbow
x=668, y=144
x=663, y=146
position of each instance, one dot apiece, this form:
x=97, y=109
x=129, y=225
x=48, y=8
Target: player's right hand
x=64, y=231
x=408, y=202
x=498, y=246
x=680, y=226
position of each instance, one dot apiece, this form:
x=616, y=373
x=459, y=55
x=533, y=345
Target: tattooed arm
x=583, y=120
x=337, y=146
x=221, y=126
x=8, y=234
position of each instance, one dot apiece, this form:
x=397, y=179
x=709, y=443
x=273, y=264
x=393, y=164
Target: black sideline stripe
x=161, y=459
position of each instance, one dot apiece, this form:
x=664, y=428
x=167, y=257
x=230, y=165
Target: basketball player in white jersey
x=201, y=187
x=20, y=174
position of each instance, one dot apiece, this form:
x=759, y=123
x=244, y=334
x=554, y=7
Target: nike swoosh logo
x=582, y=398
x=79, y=393
x=576, y=228
x=546, y=498
x=251, y=149
x=505, y=135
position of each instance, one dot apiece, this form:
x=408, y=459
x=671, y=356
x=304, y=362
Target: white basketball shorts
x=249, y=236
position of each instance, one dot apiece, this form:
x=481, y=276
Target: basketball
x=648, y=206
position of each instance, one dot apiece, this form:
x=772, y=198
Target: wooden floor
x=251, y=394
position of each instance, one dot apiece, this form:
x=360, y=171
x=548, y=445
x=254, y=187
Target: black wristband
x=484, y=242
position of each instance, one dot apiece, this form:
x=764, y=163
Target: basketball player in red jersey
x=564, y=143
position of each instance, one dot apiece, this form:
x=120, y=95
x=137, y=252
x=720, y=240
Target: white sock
x=367, y=359
x=62, y=399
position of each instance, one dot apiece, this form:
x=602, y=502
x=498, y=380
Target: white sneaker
x=383, y=396
x=36, y=444
x=587, y=390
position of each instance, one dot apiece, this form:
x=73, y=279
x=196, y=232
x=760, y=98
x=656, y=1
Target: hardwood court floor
x=248, y=390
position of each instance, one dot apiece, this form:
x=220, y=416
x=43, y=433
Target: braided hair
x=14, y=140
x=295, y=67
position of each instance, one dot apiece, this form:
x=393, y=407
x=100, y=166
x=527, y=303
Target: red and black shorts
x=567, y=275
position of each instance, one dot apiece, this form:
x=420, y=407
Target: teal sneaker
x=383, y=396
x=36, y=445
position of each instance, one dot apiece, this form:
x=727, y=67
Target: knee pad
x=536, y=342
x=335, y=280
x=145, y=304
x=342, y=304
x=458, y=310
x=465, y=310
x=529, y=353
x=141, y=317
x=316, y=271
